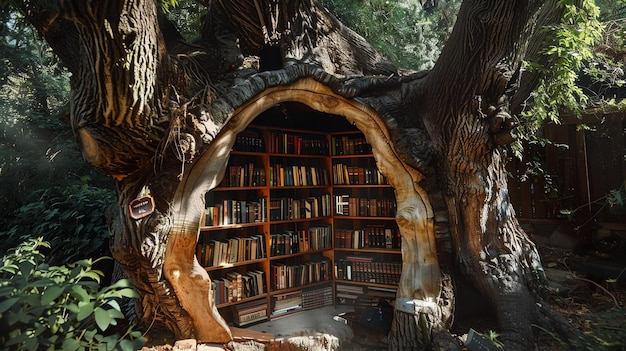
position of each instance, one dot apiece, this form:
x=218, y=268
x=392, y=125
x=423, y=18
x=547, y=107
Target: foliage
x=70, y=218
x=409, y=33
x=165, y=5
x=187, y=17
x=493, y=338
x=572, y=66
x=46, y=307
x=613, y=201
x=603, y=76
x=45, y=190
x=568, y=45
x=37, y=149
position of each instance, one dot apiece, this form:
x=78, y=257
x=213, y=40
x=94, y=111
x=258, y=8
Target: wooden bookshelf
x=279, y=205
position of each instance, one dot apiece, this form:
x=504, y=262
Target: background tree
x=410, y=33
x=45, y=191
x=157, y=113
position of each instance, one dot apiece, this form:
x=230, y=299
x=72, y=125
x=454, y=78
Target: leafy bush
x=46, y=307
x=70, y=218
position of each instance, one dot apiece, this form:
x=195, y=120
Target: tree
x=159, y=115
x=44, y=188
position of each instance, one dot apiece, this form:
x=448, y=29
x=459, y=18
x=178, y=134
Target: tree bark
x=475, y=74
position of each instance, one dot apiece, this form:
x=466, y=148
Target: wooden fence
x=577, y=177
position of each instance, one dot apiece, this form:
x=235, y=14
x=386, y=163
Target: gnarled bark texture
x=161, y=115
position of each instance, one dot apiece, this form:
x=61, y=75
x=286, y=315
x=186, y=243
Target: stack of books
x=348, y=294
x=235, y=286
x=250, y=312
x=287, y=303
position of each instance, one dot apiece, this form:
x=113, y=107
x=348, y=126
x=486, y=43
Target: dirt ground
x=588, y=303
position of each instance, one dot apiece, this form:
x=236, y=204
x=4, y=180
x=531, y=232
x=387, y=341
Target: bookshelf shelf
x=364, y=186
x=247, y=299
x=299, y=220
x=297, y=187
x=234, y=264
x=297, y=254
x=297, y=156
x=340, y=217
x=249, y=153
x=369, y=250
x=231, y=226
x=237, y=188
x=296, y=288
x=353, y=156
x=354, y=282
x=288, y=184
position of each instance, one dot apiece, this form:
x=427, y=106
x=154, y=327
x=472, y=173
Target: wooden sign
x=141, y=207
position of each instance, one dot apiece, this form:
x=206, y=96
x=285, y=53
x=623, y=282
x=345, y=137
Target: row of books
x=236, y=212
x=353, y=175
x=302, y=144
x=236, y=286
x=361, y=297
x=365, y=269
x=345, y=205
x=218, y=253
x=249, y=312
x=350, y=145
x=249, y=175
x=372, y=236
x=298, y=175
x=249, y=140
x=291, y=242
x=284, y=276
x=286, y=303
x=245, y=175
x=298, y=144
x=282, y=304
x=317, y=297
x=286, y=208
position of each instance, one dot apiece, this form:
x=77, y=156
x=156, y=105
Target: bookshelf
x=366, y=241
x=299, y=216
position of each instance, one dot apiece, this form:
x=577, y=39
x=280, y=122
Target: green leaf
x=16, y=339
x=78, y=291
x=26, y=268
x=102, y=318
x=94, y=275
x=31, y=344
x=51, y=294
x=89, y=335
x=85, y=311
x=11, y=317
x=127, y=345
x=71, y=345
x=114, y=304
x=72, y=307
x=115, y=314
x=8, y=303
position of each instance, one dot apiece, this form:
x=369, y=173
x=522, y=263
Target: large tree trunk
x=160, y=115
x=473, y=83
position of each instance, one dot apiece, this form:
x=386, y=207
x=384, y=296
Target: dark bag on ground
x=378, y=318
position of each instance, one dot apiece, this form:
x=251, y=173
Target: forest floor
x=592, y=304
x=595, y=306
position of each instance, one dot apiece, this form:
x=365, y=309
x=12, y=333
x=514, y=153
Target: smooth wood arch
x=420, y=282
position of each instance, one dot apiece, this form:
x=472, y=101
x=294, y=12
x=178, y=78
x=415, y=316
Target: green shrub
x=70, y=218
x=46, y=307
